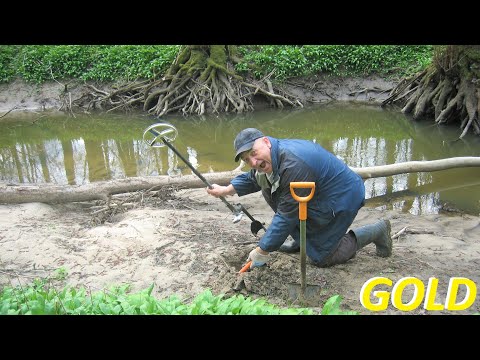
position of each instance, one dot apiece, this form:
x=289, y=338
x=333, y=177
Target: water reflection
x=63, y=150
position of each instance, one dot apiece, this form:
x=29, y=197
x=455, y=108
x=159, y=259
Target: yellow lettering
x=417, y=297
x=383, y=296
x=431, y=295
x=397, y=294
x=450, y=301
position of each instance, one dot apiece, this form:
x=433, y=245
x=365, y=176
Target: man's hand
x=258, y=257
x=219, y=190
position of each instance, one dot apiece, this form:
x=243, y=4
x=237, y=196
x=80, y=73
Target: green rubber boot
x=379, y=234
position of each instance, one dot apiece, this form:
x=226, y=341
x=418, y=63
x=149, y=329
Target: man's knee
x=346, y=250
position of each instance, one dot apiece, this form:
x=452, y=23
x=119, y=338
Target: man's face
x=259, y=156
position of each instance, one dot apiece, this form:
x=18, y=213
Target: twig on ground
x=9, y=111
x=399, y=233
x=221, y=257
x=247, y=243
x=407, y=230
x=164, y=245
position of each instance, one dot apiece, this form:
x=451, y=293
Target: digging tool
x=302, y=215
x=240, y=283
x=245, y=267
x=168, y=133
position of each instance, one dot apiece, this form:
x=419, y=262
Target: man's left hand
x=257, y=258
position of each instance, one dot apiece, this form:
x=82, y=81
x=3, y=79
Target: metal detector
x=160, y=135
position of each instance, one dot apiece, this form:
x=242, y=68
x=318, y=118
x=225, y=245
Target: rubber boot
x=379, y=234
x=290, y=246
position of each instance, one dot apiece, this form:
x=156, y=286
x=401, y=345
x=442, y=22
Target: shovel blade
x=310, y=297
x=255, y=227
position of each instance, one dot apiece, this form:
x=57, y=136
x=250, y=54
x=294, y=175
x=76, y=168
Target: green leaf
x=105, y=308
x=332, y=305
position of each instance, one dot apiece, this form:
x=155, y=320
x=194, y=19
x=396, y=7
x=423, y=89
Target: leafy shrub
x=7, y=62
x=39, y=63
x=130, y=62
x=285, y=61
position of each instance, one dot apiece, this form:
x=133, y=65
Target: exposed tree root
x=201, y=80
x=447, y=91
x=367, y=90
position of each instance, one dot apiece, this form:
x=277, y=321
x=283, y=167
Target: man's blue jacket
x=339, y=194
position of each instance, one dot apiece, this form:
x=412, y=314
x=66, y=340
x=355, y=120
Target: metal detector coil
x=154, y=133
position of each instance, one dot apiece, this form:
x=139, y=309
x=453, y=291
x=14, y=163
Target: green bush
x=285, y=61
x=8, y=58
x=130, y=62
x=40, y=63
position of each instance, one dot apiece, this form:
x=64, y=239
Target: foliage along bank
x=41, y=63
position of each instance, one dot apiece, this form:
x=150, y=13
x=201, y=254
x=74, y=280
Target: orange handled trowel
x=245, y=267
x=240, y=284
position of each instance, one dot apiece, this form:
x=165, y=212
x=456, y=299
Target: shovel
x=166, y=133
x=309, y=292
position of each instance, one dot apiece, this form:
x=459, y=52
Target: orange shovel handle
x=302, y=206
x=245, y=267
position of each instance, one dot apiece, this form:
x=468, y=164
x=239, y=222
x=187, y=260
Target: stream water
x=53, y=148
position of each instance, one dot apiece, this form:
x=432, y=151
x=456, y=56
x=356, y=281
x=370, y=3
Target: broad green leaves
x=42, y=299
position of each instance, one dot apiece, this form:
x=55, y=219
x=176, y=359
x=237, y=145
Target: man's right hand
x=219, y=190
x=258, y=257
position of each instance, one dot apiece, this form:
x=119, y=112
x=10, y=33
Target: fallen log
x=417, y=166
x=102, y=190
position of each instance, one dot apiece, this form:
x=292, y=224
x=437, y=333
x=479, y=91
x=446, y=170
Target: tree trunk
x=448, y=91
x=104, y=189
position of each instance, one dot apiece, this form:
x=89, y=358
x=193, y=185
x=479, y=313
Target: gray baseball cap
x=245, y=139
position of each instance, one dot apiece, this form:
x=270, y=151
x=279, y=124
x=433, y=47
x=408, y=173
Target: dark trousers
x=345, y=251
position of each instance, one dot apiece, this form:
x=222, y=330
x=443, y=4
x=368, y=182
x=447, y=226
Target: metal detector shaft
x=201, y=177
x=230, y=206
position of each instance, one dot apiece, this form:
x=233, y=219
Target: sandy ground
x=184, y=241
